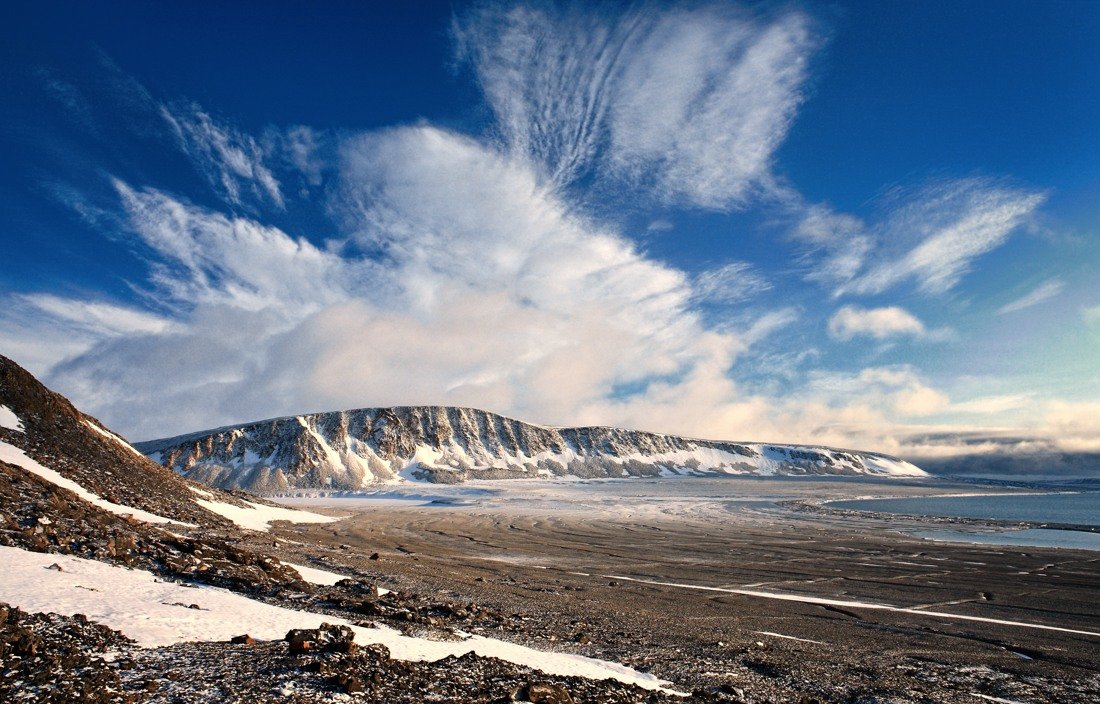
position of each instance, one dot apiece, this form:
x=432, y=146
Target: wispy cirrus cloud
x=234, y=162
x=730, y=283
x=98, y=317
x=836, y=244
x=1042, y=292
x=686, y=103
x=928, y=236
x=204, y=257
x=935, y=234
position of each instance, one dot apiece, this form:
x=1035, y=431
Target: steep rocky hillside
x=352, y=449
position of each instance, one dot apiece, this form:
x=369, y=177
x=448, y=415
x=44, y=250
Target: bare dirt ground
x=721, y=588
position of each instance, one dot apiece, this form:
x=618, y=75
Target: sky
x=863, y=224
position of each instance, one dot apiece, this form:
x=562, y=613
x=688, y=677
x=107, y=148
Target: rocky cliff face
x=348, y=450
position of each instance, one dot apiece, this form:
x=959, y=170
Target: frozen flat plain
x=749, y=572
x=735, y=573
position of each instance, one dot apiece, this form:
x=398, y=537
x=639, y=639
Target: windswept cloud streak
x=730, y=283
x=687, y=103
x=1042, y=292
x=941, y=230
x=232, y=161
x=929, y=236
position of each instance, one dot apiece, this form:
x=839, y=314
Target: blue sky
x=865, y=224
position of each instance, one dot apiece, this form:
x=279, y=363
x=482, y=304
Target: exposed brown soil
x=570, y=574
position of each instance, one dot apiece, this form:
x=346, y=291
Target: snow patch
x=13, y=455
x=143, y=607
x=316, y=576
x=9, y=420
x=201, y=492
x=111, y=436
x=258, y=516
x=780, y=635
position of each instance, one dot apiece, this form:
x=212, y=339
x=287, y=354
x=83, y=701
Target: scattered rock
x=543, y=693
x=328, y=638
x=349, y=683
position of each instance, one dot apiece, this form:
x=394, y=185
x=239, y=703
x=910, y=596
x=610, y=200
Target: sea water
x=1078, y=508
x=1081, y=508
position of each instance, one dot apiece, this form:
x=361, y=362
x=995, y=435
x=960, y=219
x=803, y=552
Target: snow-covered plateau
x=348, y=450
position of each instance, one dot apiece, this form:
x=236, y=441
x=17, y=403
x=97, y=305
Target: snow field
x=9, y=420
x=111, y=436
x=13, y=455
x=257, y=516
x=156, y=613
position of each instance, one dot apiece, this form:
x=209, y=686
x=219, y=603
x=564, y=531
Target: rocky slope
x=70, y=486
x=88, y=525
x=348, y=450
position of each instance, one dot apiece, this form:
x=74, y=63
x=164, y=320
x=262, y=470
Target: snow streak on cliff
x=353, y=449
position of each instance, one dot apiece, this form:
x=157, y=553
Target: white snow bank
x=851, y=604
x=13, y=455
x=258, y=516
x=324, y=577
x=111, y=436
x=316, y=576
x=144, y=608
x=9, y=420
x=204, y=494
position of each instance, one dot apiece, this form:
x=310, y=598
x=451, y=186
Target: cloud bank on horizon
x=509, y=266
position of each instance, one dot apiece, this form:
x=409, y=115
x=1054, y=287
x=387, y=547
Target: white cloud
x=934, y=235
x=879, y=323
x=994, y=405
x=1074, y=424
x=299, y=150
x=837, y=244
x=41, y=330
x=1046, y=290
x=705, y=101
x=230, y=159
x=893, y=391
x=730, y=283
x=687, y=103
x=208, y=258
x=100, y=317
x=930, y=235
x=491, y=292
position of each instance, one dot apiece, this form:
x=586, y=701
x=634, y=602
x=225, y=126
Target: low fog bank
x=1021, y=466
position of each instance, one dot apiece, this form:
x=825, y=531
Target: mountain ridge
x=356, y=448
